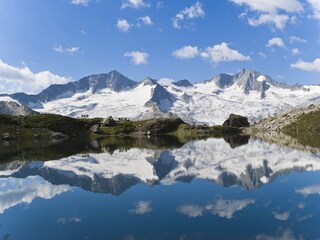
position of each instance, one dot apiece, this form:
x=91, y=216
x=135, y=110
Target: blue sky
x=55, y=41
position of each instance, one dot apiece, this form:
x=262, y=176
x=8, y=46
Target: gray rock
x=236, y=121
x=109, y=122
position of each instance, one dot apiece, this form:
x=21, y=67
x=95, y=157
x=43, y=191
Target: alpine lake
x=235, y=187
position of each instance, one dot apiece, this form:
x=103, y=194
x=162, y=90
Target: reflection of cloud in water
x=14, y=191
x=284, y=216
x=303, y=218
x=191, y=210
x=222, y=208
x=313, y=189
x=285, y=235
x=141, y=208
x=66, y=220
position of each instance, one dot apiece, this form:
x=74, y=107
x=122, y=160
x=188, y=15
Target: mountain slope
x=246, y=93
x=10, y=106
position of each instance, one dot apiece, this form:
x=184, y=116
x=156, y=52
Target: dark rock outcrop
x=109, y=122
x=236, y=121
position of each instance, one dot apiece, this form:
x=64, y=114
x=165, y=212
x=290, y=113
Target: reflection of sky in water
x=176, y=207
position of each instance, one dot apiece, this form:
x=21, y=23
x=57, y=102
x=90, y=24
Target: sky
x=56, y=41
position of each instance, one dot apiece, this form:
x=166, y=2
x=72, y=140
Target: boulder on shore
x=95, y=128
x=236, y=121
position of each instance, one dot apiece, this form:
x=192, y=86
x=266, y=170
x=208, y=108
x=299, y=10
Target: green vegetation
x=46, y=126
x=309, y=122
x=43, y=125
x=191, y=131
x=306, y=129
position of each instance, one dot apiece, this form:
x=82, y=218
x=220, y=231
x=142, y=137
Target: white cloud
x=60, y=49
x=275, y=42
x=222, y=53
x=309, y=67
x=268, y=11
x=191, y=211
x=295, y=51
x=282, y=216
x=313, y=189
x=195, y=11
x=146, y=20
x=80, y=2
x=18, y=79
x=294, y=39
x=141, y=208
x=138, y=58
x=316, y=8
x=217, y=53
x=134, y=4
x=186, y=52
x=278, y=20
x=271, y=6
x=123, y=25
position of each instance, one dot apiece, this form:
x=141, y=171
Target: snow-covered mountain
x=251, y=166
x=246, y=93
x=10, y=106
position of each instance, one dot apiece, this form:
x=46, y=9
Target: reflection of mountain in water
x=114, y=172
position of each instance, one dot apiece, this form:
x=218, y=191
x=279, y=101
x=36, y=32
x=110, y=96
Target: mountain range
x=248, y=93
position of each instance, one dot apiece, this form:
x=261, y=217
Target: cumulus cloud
x=138, y=58
x=278, y=20
x=145, y=20
x=278, y=42
x=134, y=4
x=141, y=208
x=294, y=39
x=186, y=52
x=313, y=189
x=18, y=79
x=222, y=53
x=316, y=8
x=271, y=6
x=222, y=208
x=80, y=2
x=195, y=11
x=268, y=11
x=217, y=53
x=123, y=25
x=59, y=48
x=309, y=67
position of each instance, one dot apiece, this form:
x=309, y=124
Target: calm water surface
x=232, y=188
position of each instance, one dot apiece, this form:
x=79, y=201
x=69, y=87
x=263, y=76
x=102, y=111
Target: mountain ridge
x=247, y=93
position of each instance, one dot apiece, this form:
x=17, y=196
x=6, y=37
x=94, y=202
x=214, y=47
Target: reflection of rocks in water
x=250, y=166
x=237, y=141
